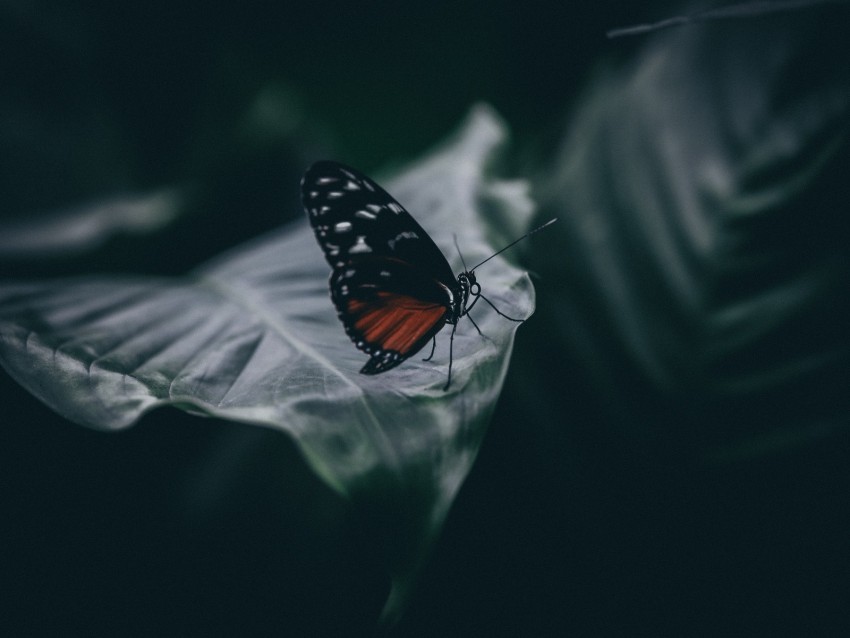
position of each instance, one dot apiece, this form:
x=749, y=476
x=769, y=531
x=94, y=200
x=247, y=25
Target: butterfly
x=392, y=286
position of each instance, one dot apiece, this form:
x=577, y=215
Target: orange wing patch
x=395, y=322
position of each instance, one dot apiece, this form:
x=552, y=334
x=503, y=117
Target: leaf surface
x=253, y=337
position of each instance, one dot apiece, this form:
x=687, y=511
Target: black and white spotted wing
x=392, y=286
x=352, y=216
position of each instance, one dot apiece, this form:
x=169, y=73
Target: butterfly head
x=468, y=284
x=469, y=287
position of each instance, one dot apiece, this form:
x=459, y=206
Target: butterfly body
x=391, y=285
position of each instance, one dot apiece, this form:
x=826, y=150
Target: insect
x=392, y=286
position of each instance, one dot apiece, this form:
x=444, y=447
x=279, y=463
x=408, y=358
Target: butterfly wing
x=389, y=309
x=354, y=218
x=391, y=284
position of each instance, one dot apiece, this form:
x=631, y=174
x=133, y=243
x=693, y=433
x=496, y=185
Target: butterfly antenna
x=528, y=234
x=462, y=260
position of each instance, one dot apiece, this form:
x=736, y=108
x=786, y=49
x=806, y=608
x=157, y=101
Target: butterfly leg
x=433, y=346
x=466, y=313
x=469, y=316
x=499, y=312
x=451, y=346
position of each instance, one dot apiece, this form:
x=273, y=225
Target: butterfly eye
x=475, y=289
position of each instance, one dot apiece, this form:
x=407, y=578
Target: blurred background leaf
x=706, y=257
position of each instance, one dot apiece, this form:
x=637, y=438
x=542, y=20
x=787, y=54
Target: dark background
x=187, y=526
